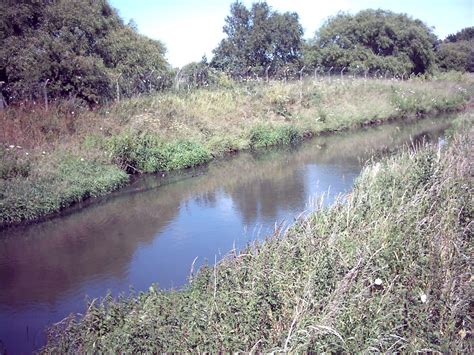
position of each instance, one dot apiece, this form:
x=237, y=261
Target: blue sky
x=191, y=28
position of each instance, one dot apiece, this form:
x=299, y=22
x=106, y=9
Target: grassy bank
x=389, y=270
x=178, y=130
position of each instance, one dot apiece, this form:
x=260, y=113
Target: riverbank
x=384, y=271
x=53, y=159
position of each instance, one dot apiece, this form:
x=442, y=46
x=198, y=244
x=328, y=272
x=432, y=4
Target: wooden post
x=3, y=103
x=301, y=72
x=117, y=88
x=342, y=72
x=177, y=79
x=45, y=95
x=266, y=72
x=316, y=74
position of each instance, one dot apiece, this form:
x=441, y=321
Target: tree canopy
x=374, y=40
x=75, y=48
x=456, y=52
x=258, y=39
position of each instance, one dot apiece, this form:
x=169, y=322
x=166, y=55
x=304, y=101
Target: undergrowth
x=386, y=270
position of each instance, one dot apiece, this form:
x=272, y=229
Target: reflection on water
x=151, y=231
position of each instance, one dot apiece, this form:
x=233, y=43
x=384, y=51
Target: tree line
x=82, y=49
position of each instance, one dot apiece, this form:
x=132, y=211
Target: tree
x=456, y=52
x=78, y=49
x=373, y=40
x=258, y=40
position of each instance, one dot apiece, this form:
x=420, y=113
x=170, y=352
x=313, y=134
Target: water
x=151, y=231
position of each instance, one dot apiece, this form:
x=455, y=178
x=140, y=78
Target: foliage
x=199, y=74
x=456, y=52
x=373, y=40
x=74, y=49
x=13, y=164
x=258, y=39
x=147, y=153
x=466, y=34
x=384, y=271
x=266, y=136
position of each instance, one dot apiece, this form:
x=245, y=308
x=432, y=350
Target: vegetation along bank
x=386, y=270
x=86, y=100
x=54, y=158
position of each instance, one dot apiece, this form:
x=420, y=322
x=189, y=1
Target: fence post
x=177, y=79
x=365, y=73
x=385, y=75
x=286, y=74
x=342, y=72
x=316, y=73
x=266, y=72
x=3, y=103
x=301, y=72
x=45, y=94
x=403, y=75
x=117, y=88
x=376, y=73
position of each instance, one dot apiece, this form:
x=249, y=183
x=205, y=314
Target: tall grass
x=178, y=130
x=387, y=270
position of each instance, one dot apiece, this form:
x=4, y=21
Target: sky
x=193, y=28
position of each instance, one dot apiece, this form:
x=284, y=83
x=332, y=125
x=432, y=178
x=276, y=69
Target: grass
x=172, y=130
x=385, y=270
x=30, y=193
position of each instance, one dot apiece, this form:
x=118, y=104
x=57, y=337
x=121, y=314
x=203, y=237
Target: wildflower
x=43, y=152
x=82, y=159
x=11, y=146
x=378, y=282
x=27, y=153
x=423, y=298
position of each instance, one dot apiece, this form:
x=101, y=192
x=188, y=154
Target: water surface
x=151, y=231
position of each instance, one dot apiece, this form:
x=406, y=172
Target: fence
x=207, y=76
x=204, y=77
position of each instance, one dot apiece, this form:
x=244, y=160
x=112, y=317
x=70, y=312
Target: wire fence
x=209, y=77
x=205, y=76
